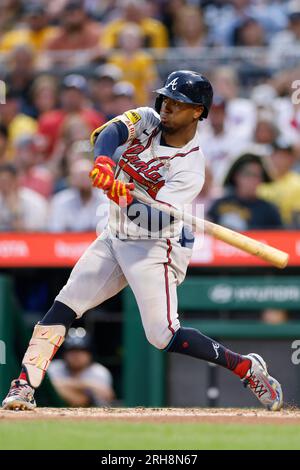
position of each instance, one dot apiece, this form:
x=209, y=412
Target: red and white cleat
x=20, y=397
x=266, y=389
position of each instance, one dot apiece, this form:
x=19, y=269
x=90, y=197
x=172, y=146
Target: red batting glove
x=102, y=175
x=120, y=193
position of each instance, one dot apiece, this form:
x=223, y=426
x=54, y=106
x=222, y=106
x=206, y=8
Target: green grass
x=120, y=435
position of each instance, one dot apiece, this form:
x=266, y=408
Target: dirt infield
x=165, y=415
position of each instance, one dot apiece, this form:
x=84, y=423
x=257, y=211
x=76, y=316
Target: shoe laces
x=256, y=385
x=15, y=390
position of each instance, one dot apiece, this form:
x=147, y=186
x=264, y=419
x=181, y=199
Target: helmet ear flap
x=158, y=103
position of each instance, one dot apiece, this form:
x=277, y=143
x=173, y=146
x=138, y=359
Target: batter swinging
x=140, y=246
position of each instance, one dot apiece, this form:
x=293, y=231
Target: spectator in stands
x=266, y=131
x=249, y=33
x=101, y=90
x=21, y=209
x=73, y=103
x=74, y=129
x=55, y=9
x=3, y=143
x=289, y=37
x=241, y=209
x=17, y=123
x=240, y=112
x=263, y=96
x=226, y=19
x=209, y=192
x=155, y=34
x=79, y=150
x=190, y=29
x=33, y=173
x=77, y=33
x=219, y=143
x=10, y=14
x=102, y=11
x=123, y=97
x=78, y=379
x=287, y=105
x=137, y=66
x=70, y=148
x=168, y=15
x=44, y=95
x=21, y=73
x=35, y=32
x=284, y=191
x=80, y=208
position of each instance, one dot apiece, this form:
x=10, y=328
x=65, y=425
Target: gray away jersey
x=174, y=176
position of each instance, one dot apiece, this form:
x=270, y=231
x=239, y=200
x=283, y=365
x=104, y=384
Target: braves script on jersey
x=167, y=174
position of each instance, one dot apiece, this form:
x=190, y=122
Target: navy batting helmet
x=78, y=340
x=188, y=87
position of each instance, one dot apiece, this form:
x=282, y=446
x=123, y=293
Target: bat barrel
x=272, y=255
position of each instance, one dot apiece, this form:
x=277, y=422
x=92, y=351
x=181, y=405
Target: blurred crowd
x=69, y=66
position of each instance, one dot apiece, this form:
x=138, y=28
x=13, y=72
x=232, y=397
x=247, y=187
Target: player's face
x=78, y=360
x=176, y=115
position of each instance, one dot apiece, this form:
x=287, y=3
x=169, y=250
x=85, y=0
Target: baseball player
x=140, y=247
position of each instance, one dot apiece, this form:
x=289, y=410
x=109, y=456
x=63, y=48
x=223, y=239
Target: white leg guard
x=45, y=341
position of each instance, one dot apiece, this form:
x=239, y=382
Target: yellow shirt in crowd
x=285, y=194
x=155, y=32
x=24, y=37
x=20, y=126
x=139, y=70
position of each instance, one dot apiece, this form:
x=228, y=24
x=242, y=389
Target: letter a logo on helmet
x=173, y=84
x=188, y=87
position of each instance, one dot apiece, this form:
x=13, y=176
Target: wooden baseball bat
x=272, y=255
